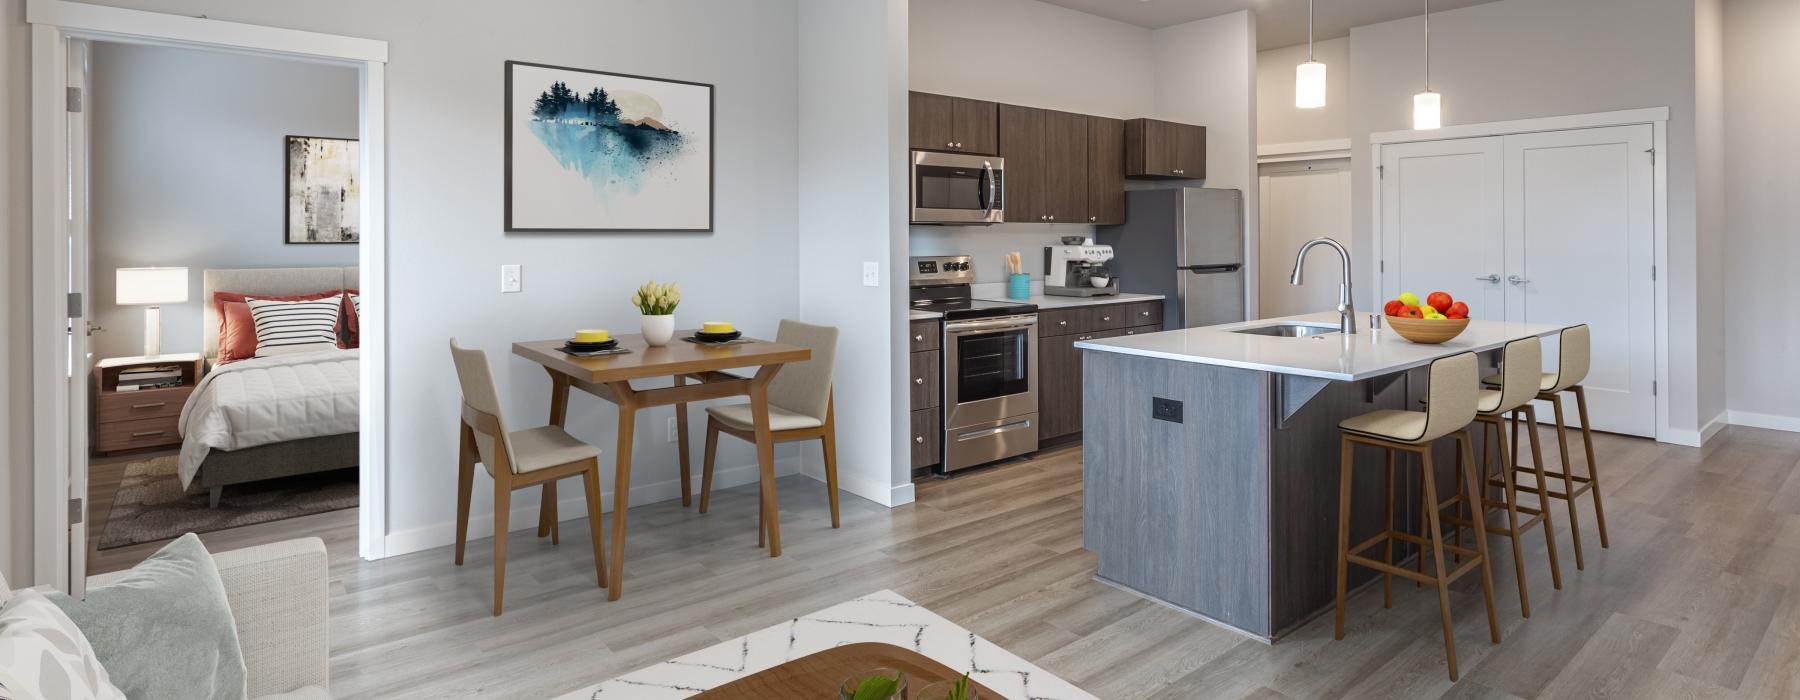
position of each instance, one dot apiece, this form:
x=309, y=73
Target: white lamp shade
x=1309, y=85
x=152, y=285
x=1427, y=111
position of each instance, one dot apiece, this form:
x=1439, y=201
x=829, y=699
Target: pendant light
x=1309, y=77
x=1428, y=106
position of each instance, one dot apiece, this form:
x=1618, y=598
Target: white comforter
x=265, y=400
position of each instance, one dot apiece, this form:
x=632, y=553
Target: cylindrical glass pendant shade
x=1427, y=110
x=1309, y=85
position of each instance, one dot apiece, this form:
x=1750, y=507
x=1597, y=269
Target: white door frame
x=54, y=23
x=1658, y=119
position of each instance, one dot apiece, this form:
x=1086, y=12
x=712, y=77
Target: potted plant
x=657, y=303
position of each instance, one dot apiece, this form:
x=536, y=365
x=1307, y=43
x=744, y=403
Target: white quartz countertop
x=1334, y=356
x=1045, y=301
x=917, y=315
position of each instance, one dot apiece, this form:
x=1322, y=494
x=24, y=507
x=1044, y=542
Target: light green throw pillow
x=165, y=629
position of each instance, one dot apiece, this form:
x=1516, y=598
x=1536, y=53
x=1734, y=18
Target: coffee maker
x=1077, y=268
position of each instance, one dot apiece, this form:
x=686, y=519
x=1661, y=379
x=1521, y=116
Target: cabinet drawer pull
x=148, y=433
x=1062, y=323
x=1052, y=217
x=919, y=439
x=918, y=339
x=950, y=144
x=1106, y=318
x=136, y=406
x=959, y=144
x=1145, y=314
x=919, y=381
x=1093, y=218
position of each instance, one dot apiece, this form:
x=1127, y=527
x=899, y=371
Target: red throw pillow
x=237, y=332
x=348, y=323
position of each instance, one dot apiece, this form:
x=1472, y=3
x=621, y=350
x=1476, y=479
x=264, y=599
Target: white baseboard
x=1713, y=427
x=900, y=495
x=1678, y=436
x=890, y=496
x=1764, y=420
x=524, y=515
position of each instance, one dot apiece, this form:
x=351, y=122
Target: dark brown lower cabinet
x=926, y=434
x=1059, y=361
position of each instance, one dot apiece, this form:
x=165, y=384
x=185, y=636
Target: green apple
x=1409, y=299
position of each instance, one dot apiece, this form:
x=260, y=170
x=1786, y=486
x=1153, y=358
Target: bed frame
x=325, y=453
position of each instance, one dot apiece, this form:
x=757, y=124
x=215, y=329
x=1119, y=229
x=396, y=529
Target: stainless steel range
x=990, y=364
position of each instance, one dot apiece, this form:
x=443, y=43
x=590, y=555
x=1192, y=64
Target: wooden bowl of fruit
x=1435, y=320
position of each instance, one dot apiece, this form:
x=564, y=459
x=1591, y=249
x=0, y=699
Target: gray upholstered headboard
x=273, y=281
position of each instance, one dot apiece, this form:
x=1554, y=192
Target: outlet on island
x=1165, y=409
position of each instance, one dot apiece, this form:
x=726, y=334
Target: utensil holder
x=1018, y=287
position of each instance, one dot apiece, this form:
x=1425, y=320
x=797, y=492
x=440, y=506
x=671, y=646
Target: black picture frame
x=506, y=102
x=287, y=193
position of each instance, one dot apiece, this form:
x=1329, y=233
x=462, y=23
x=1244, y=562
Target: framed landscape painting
x=589, y=150
x=322, y=204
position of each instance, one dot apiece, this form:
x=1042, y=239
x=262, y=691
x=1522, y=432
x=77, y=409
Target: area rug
x=883, y=616
x=151, y=506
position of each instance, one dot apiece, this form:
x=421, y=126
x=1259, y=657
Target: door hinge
x=1652, y=273
x=1381, y=172
x=1653, y=387
x=1652, y=153
x=1381, y=265
x=75, y=305
x=75, y=511
x=74, y=99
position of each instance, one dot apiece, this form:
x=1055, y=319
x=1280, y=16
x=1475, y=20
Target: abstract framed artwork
x=322, y=204
x=589, y=150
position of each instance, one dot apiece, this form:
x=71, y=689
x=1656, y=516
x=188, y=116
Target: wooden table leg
x=559, y=397
x=621, y=485
x=681, y=446
x=765, y=454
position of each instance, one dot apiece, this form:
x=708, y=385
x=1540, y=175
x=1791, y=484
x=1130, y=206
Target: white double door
x=1550, y=227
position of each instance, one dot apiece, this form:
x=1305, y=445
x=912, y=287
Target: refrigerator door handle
x=1211, y=269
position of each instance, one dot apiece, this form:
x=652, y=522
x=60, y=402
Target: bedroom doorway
x=72, y=385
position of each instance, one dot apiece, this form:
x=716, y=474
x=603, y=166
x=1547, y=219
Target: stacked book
x=149, y=377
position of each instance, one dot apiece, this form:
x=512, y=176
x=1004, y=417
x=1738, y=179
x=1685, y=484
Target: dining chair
x=800, y=408
x=515, y=459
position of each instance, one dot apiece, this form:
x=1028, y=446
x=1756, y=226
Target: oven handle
x=994, y=324
x=996, y=430
x=987, y=171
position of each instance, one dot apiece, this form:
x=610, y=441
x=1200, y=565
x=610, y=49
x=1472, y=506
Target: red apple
x=1410, y=312
x=1457, y=310
x=1440, y=301
x=1392, y=308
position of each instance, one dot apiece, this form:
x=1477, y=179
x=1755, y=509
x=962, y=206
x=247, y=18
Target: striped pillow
x=295, y=326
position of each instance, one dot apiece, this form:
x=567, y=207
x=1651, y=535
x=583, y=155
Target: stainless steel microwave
x=957, y=188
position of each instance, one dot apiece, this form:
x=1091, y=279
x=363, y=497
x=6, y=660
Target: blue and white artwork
x=595, y=151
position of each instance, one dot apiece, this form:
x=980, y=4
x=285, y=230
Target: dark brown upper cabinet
x=1106, y=171
x=1022, y=146
x=1066, y=169
x=955, y=124
x=1157, y=149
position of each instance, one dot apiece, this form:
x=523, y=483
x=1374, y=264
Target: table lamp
x=150, y=287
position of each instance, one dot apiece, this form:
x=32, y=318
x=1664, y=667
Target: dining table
x=698, y=373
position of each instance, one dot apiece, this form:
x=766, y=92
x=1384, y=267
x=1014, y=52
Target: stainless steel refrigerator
x=1186, y=244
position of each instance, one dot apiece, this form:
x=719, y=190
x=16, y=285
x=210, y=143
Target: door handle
x=1491, y=278
x=919, y=380
x=1516, y=280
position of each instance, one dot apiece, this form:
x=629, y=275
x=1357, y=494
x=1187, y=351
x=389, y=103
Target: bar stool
x=1571, y=368
x=1517, y=389
x=1452, y=403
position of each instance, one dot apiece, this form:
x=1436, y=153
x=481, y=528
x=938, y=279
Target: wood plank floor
x=1695, y=598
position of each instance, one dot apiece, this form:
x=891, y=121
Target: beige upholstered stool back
x=1451, y=396
x=478, y=392
x=805, y=387
x=1572, y=365
x=1524, y=363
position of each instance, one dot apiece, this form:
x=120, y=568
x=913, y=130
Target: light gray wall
x=15, y=295
x=1277, y=119
x=1709, y=211
x=1763, y=247
x=1517, y=59
x=187, y=170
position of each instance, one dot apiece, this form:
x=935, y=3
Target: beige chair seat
x=738, y=416
x=1547, y=383
x=545, y=447
x=1388, y=424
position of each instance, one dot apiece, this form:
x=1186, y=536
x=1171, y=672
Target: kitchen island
x=1210, y=459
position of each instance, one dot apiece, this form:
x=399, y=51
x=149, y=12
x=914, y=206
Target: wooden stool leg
x=1511, y=487
x=706, y=462
x=1587, y=444
x=1468, y=511
x=1347, y=455
x=1562, y=442
x=1424, y=533
x=1466, y=463
x=590, y=483
x=1387, y=554
x=1435, y=536
x=1537, y=463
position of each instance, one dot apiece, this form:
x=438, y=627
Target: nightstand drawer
x=134, y=434
x=114, y=407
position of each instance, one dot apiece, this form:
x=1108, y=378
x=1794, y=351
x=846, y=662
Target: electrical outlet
x=871, y=274
x=672, y=431
x=1165, y=409
x=509, y=279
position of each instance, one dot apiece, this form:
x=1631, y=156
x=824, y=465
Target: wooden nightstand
x=145, y=418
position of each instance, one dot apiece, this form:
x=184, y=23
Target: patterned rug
x=882, y=616
x=151, y=506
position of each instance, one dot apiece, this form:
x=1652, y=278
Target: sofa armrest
x=278, y=596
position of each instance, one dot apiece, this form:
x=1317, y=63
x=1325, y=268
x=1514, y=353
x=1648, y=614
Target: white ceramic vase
x=658, y=329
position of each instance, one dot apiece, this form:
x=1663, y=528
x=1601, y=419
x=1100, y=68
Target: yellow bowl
x=715, y=327
x=594, y=335
x=1427, y=332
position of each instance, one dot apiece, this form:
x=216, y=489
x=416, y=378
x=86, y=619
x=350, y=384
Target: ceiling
x=1278, y=22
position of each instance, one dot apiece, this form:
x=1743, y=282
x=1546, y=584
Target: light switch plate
x=509, y=279
x=871, y=274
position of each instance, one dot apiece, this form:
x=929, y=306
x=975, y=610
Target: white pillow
x=43, y=655
x=284, y=327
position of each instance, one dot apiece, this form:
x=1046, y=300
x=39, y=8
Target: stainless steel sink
x=1288, y=330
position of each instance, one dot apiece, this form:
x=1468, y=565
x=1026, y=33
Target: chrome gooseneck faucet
x=1346, y=310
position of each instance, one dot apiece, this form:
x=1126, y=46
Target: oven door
x=953, y=188
x=990, y=370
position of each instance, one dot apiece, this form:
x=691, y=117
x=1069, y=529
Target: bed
x=269, y=417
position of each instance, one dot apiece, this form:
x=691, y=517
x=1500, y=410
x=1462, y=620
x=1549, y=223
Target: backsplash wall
x=990, y=244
